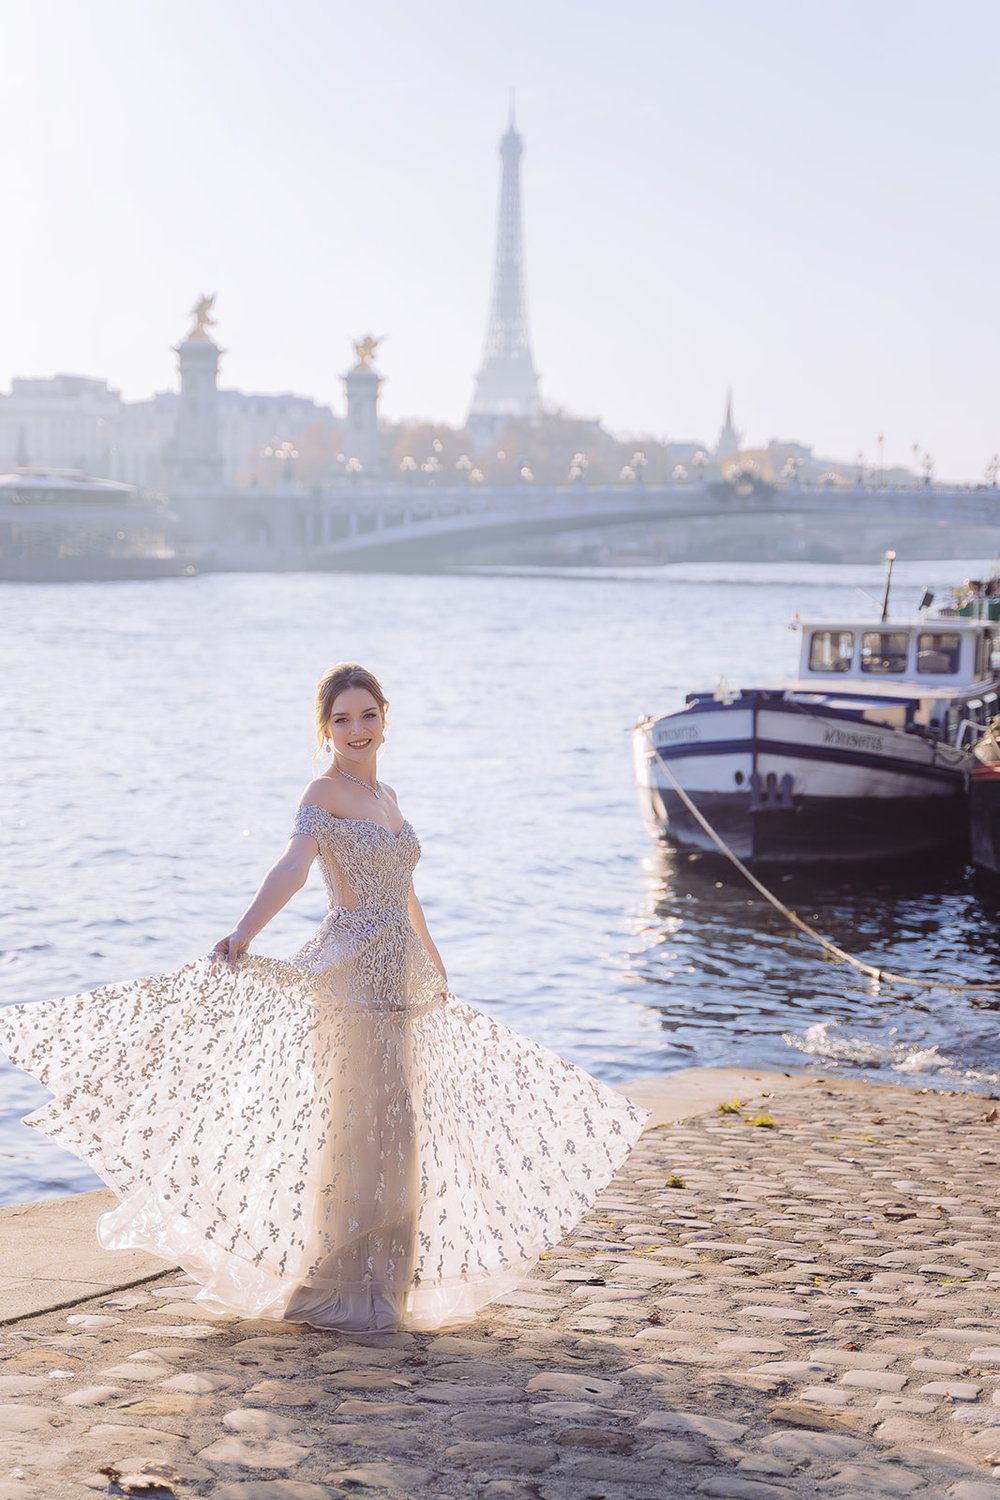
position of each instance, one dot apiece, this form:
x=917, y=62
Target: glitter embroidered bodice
x=363, y=863
x=365, y=944
x=333, y=1139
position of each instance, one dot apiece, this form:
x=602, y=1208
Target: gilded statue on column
x=365, y=349
x=203, y=320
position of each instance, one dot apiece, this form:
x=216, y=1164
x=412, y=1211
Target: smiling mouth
x=358, y=744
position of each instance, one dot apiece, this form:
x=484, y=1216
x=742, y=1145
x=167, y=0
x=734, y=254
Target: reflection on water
x=728, y=973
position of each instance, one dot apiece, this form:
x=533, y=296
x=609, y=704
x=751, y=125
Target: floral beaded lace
x=329, y=1139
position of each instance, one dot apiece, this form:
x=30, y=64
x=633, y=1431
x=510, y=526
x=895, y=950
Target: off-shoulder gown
x=330, y=1140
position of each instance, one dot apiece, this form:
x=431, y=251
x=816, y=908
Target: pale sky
x=793, y=197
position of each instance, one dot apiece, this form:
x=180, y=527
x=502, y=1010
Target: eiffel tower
x=507, y=383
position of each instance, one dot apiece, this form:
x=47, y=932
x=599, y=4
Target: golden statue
x=203, y=320
x=365, y=350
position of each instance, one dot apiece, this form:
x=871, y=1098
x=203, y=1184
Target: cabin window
x=831, y=651
x=984, y=654
x=884, y=651
x=938, y=652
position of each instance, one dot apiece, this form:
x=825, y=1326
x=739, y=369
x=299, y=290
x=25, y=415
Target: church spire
x=729, y=441
x=507, y=383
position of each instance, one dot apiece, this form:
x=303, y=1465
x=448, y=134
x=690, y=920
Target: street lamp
x=281, y=451
x=284, y=454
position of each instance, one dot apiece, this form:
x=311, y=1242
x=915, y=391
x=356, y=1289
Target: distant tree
x=552, y=447
x=428, y=453
x=320, y=449
x=306, y=458
x=757, y=461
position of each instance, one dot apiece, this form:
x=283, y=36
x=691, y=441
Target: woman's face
x=356, y=727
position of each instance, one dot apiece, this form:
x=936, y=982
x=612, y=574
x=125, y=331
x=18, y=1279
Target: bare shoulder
x=391, y=790
x=321, y=793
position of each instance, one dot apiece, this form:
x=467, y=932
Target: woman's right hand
x=230, y=949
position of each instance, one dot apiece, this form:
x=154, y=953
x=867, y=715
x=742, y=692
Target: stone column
x=362, y=384
x=193, y=457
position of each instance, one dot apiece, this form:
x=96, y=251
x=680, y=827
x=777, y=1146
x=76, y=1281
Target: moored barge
x=864, y=755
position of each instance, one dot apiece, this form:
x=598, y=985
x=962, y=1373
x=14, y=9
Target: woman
x=336, y=1140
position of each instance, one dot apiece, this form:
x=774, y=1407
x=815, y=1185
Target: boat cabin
x=945, y=653
x=937, y=674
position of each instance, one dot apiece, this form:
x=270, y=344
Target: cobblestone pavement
x=754, y=1310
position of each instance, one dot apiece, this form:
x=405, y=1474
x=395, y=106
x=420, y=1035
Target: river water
x=156, y=737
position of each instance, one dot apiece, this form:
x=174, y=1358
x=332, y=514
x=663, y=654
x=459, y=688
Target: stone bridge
x=402, y=528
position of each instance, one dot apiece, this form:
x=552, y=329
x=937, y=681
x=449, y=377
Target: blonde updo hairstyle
x=346, y=674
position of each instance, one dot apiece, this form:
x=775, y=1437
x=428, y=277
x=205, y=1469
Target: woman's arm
x=286, y=876
x=419, y=924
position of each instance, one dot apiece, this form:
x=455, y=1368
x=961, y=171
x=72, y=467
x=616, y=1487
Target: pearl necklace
x=375, y=790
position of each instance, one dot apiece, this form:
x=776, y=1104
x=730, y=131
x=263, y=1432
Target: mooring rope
x=880, y=976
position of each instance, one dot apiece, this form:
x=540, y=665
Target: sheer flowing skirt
x=329, y=1140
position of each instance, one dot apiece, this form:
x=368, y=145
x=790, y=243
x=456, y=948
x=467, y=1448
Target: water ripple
x=137, y=824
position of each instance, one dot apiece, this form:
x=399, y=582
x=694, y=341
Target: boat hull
x=91, y=569
x=984, y=818
x=782, y=784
